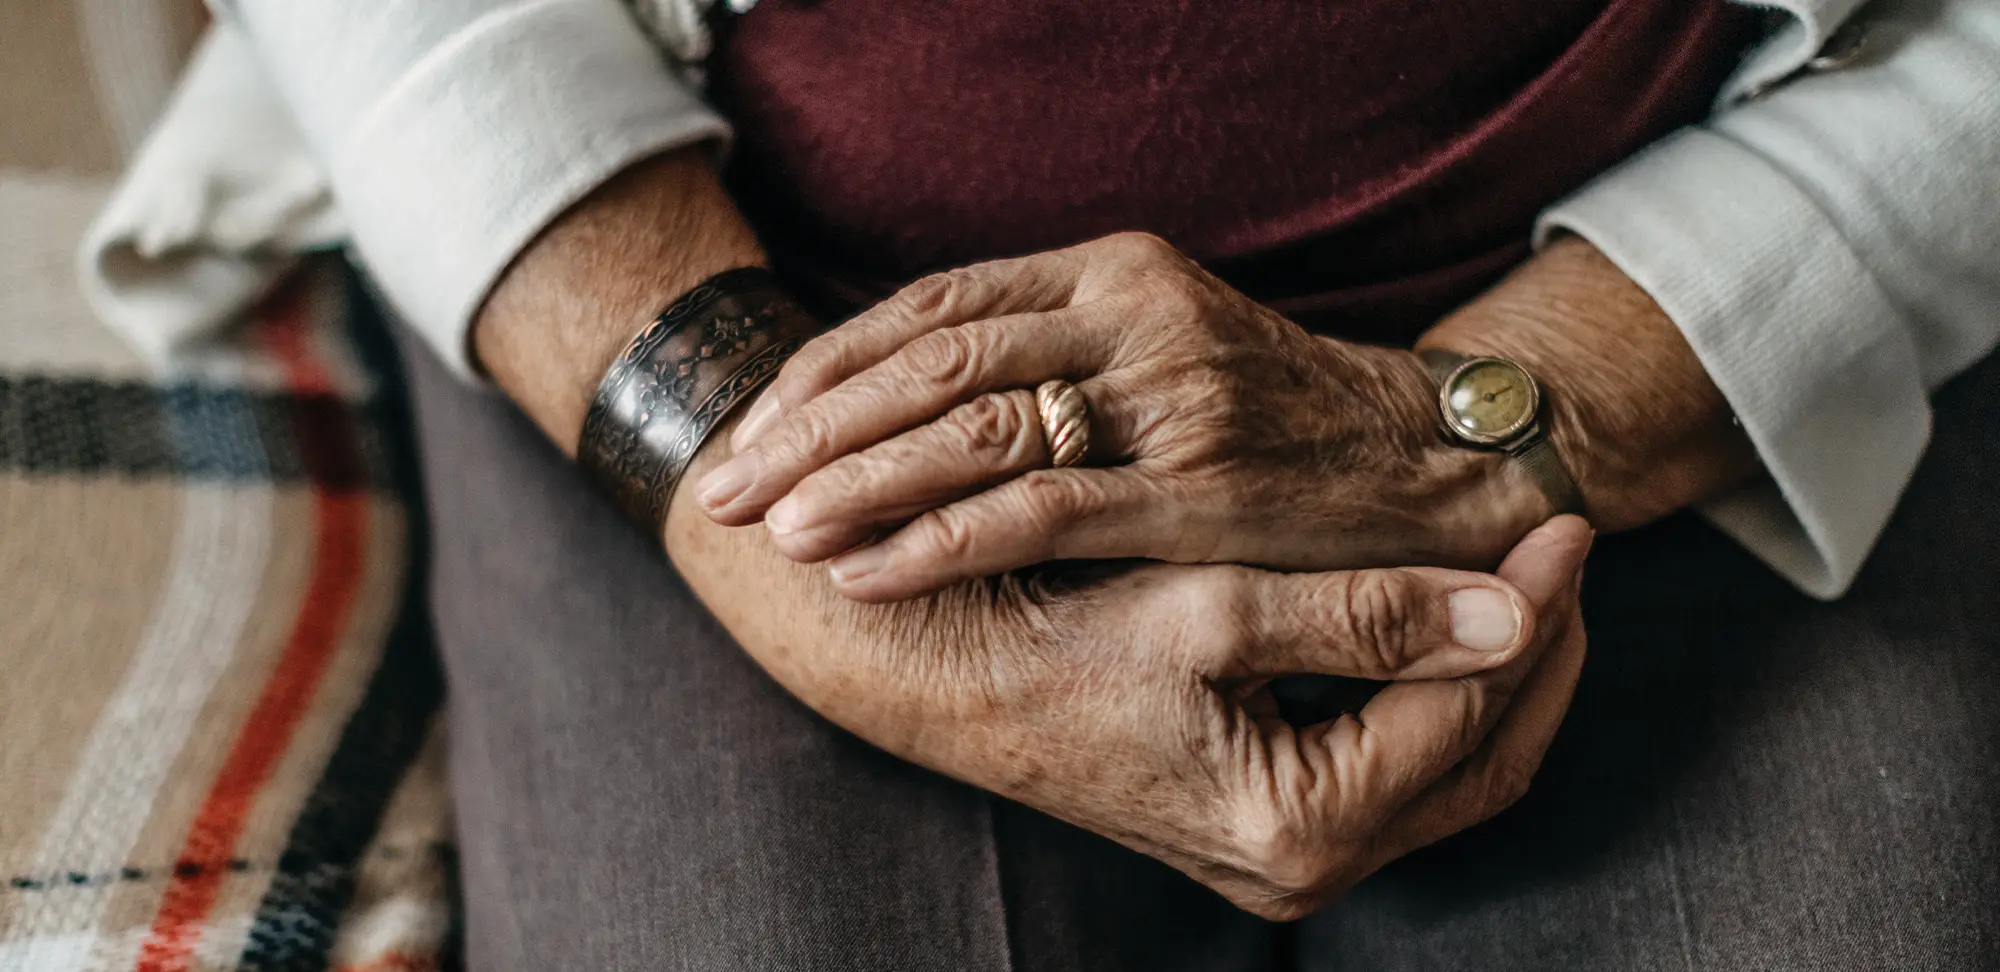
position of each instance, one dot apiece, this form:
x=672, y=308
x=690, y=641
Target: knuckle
x=990, y=425
x=1482, y=701
x=1181, y=297
x=945, y=358
x=942, y=293
x=1374, y=610
x=1144, y=245
x=1228, y=591
x=848, y=476
x=1283, y=855
x=949, y=536
x=809, y=437
x=1214, y=613
x=1052, y=500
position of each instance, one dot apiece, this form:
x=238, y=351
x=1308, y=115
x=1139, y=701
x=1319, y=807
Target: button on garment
x=1846, y=48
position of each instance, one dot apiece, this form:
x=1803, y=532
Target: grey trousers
x=1748, y=779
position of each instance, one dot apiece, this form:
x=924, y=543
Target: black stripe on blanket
x=56, y=425
x=303, y=908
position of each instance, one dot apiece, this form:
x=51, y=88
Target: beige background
x=55, y=112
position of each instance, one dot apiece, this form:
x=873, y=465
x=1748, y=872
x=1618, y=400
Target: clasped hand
x=904, y=445
x=1220, y=432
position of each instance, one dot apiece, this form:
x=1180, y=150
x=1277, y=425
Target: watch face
x=1489, y=400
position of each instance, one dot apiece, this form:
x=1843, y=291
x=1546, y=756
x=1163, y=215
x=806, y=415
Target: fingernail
x=1484, y=619
x=853, y=566
x=785, y=517
x=726, y=482
x=755, y=422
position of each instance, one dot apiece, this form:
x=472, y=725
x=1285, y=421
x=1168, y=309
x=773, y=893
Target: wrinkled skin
x=1135, y=705
x=1127, y=700
x=1132, y=702
x=1221, y=432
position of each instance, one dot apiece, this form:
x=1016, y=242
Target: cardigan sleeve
x=452, y=131
x=1827, y=246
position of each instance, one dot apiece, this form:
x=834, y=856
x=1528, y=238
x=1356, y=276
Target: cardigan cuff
x=491, y=136
x=1792, y=328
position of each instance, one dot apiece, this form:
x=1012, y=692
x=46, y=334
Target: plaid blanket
x=219, y=701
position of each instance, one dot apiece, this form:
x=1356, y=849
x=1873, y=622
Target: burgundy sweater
x=1361, y=165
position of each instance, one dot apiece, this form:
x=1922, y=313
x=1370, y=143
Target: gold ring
x=1065, y=422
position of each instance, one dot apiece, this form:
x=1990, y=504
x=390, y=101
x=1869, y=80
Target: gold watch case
x=1489, y=402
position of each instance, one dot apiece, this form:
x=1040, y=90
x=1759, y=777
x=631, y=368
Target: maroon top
x=1362, y=166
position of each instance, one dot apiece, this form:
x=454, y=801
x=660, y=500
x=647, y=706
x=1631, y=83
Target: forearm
x=568, y=304
x=1630, y=409
x=596, y=275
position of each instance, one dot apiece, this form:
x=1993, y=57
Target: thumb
x=1545, y=563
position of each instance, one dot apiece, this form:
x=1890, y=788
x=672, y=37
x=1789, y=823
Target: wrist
x=1626, y=405
x=1468, y=505
x=592, y=279
x=712, y=349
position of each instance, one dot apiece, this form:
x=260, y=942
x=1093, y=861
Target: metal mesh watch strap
x=1532, y=451
x=1539, y=458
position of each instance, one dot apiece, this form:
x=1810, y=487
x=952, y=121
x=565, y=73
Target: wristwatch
x=1493, y=403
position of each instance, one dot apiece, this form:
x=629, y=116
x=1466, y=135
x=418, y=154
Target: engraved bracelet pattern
x=679, y=378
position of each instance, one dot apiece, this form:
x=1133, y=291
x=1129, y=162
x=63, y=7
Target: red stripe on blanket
x=340, y=524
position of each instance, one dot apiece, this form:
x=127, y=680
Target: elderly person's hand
x=906, y=443
x=1135, y=704
x=1220, y=432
